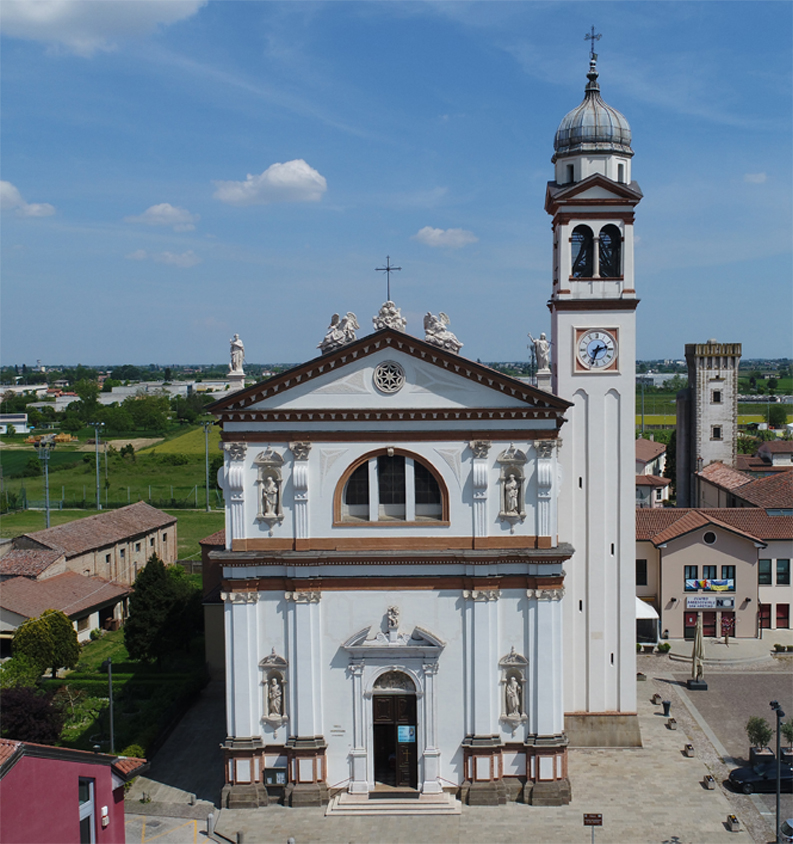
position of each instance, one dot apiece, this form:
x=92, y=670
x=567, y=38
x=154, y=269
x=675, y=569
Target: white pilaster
x=479, y=479
x=244, y=707
x=305, y=663
x=546, y=715
x=300, y=476
x=483, y=608
x=546, y=472
x=235, y=492
x=432, y=753
x=358, y=781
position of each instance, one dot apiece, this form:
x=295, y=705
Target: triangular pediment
x=595, y=189
x=428, y=377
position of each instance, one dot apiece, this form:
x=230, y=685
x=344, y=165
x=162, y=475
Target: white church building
x=428, y=573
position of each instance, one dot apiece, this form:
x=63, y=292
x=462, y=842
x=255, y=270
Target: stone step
x=360, y=804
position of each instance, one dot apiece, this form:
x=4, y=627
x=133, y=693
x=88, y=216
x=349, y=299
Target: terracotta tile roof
x=8, y=747
x=652, y=480
x=658, y=526
x=70, y=592
x=24, y=562
x=83, y=535
x=753, y=463
x=217, y=538
x=724, y=476
x=647, y=450
x=125, y=765
x=778, y=447
x=773, y=491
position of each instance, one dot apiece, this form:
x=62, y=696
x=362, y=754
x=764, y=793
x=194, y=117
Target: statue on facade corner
x=340, y=332
x=237, y=354
x=436, y=332
x=542, y=351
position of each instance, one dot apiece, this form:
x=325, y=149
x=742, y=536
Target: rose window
x=389, y=377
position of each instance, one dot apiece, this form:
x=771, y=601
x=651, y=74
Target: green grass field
x=191, y=442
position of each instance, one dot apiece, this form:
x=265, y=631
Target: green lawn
x=191, y=442
x=192, y=525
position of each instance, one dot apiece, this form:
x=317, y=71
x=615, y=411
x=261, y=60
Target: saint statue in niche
x=513, y=696
x=270, y=496
x=512, y=490
x=275, y=698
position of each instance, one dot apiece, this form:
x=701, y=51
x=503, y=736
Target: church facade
x=428, y=573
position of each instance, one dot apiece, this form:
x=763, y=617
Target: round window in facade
x=389, y=377
x=709, y=538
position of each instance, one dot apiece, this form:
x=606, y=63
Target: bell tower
x=592, y=201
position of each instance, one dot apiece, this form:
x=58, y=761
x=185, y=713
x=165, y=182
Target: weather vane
x=592, y=37
x=387, y=269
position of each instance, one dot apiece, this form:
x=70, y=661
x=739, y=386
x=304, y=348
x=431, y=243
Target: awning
x=645, y=610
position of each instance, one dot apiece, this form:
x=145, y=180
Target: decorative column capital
x=546, y=594
x=239, y=597
x=429, y=668
x=300, y=450
x=480, y=448
x=236, y=451
x=303, y=597
x=481, y=594
x=545, y=448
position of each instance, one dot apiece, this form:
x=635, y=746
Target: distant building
x=89, y=602
x=730, y=565
x=113, y=545
x=18, y=420
x=652, y=489
x=707, y=413
x=59, y=794
x=718, y=485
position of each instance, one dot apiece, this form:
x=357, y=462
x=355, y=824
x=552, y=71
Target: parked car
x=786, y=831
x=762, y=777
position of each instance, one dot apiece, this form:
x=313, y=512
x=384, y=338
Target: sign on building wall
x=711, y=585
x=709, y=602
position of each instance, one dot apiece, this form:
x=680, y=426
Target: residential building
x=54, y=795
x=732, y=565
x=652, y=489
x=113, y=545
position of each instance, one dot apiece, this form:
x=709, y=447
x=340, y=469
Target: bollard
x=240, y=838
x=710, y=783
x=672, y=724
x=689, y=750
x=210, y=823
x=733, y=823
x=192, y=799
x=667, y=705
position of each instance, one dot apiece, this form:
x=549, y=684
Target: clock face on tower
x=596, y=349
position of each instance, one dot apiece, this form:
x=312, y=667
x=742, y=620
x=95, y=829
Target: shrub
x=787, y=731
x=758, y=731
x=31, y=715
x=96, y=633
x=134, y=750
x=664, y=648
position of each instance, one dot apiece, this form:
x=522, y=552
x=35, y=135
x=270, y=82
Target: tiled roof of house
x=658, y=526
x=652, y=480
x=647, y=450
x=724, y=476
x=28, y=562
x=754, y=463
x=777, y=447
x=69, y=592
x=124, y=766
x=773, y=491
x=217, y=538
x=84, y=535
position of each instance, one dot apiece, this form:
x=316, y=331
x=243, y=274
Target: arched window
x=581, y=243
x=610, y=252
x=390, y=486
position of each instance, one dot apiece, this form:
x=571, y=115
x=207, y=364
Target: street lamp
x=96, y=426
x=779, y=716
x=207, y=426
x=44, y=447
x=107, y=665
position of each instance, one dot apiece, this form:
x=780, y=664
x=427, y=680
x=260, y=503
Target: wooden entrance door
x=395, y=740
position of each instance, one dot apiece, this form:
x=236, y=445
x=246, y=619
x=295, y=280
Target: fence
x=171, y=498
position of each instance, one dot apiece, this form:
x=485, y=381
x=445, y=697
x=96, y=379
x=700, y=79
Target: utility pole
x=779, y=716
x=97, y=426
x=207, y=426
x=107, y=665
x=44, y=447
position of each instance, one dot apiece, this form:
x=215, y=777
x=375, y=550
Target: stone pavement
x=648, y=794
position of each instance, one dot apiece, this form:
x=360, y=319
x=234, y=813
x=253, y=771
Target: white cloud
x=185, y=260
x=754, y=178
x=166, y=214
x=450, y=238
x=85, y=26
x=294, y=181
x=11, y=199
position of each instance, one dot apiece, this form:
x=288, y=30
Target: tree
x=30, y=715
x=18, y=671
x=777, y=416
x=772, y=384
x=49, y=641
x=758, y=731
x=787, y=731
x=670, y=467
x=149, y=608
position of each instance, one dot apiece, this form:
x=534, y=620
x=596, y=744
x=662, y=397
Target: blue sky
x=174, y=172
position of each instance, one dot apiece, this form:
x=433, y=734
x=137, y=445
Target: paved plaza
x=650, y=794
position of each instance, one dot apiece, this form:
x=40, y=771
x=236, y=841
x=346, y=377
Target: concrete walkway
x=736, y=652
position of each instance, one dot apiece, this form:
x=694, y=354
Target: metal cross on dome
x=387, y=269
x=593, y=37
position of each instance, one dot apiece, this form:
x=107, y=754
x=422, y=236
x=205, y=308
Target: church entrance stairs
x=378, y=803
